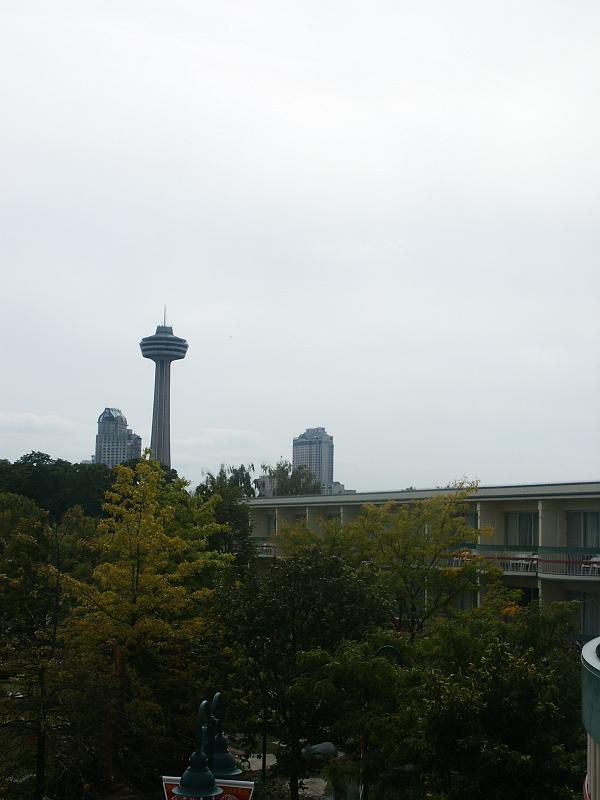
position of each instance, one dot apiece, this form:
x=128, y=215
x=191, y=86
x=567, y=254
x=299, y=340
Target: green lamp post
x=221, y=761
x=198, y=780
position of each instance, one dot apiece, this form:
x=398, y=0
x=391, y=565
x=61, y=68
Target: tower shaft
x=160, y=443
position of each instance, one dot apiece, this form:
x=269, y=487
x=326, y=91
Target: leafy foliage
x=115, y=625
x=57, y=485
x=289, y=480
x=228, y=488
x=420, y=552
x=483, y=706
x=279, y=625
x=31, y=611
x=143, y=605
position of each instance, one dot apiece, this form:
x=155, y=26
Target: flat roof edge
x=489, y=492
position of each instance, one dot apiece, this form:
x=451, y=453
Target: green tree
x=57, y=485
x=132, y=624
x=273, y=631
x=485, y=705
x=289, y=480
x=450, y=716
x=229, y=487
x=496, y=705
x=31, y=611
x=422, y=553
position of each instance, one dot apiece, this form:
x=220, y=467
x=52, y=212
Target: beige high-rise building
x=314, y=449
x=115, y=442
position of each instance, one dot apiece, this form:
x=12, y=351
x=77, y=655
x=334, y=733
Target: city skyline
x=381, y=220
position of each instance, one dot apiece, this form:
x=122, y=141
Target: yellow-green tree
x=422, y=551
x=131, y=625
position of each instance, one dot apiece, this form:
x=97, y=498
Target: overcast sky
x=381, y=218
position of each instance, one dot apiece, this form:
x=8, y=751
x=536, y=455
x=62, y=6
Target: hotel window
x=589, y=611
x=465, y=600
x=521, y=528
x=472, y=518
x=583, y=529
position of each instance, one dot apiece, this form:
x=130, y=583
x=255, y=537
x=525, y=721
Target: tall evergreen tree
x=133, y=622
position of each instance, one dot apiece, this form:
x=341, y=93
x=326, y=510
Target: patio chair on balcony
x=530, y=563
x=591, y=566
x=522, y=562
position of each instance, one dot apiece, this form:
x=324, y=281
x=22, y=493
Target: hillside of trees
x=125, y=599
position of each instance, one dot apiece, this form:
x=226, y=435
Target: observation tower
x=162, y=348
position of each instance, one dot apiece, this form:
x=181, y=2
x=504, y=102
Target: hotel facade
x=545, y=537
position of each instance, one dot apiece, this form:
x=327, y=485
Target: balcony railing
x=575, y=562
x=264, y=550
x=510, y=558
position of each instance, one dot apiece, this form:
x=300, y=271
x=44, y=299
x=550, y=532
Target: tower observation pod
x=162, y=348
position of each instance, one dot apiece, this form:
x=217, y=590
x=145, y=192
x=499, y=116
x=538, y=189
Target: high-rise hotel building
x=314, y=449
x=115, y=442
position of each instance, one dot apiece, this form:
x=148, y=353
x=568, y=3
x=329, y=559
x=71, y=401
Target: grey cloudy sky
x=382, y=218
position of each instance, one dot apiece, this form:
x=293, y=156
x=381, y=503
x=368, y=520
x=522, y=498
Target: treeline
x=369, y=635
x=57, y=485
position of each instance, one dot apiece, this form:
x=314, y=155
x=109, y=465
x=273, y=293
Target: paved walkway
x=313, y=787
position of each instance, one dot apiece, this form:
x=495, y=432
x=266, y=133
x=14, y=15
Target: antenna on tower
x=165, y=316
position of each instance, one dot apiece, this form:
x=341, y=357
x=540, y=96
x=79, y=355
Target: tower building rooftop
x=112, y=415
x=163, y=346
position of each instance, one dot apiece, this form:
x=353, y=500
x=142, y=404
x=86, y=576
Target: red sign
x=232, y=790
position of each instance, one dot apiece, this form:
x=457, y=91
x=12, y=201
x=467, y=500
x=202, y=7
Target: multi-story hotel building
x=545, y=537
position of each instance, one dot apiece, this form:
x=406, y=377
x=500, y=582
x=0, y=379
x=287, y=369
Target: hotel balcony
x=266, y=550
x=547, y=562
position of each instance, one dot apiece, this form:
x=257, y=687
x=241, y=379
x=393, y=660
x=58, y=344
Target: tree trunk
x=263, y=766
x=111, y=746
x=294, y=785
x=40, y=756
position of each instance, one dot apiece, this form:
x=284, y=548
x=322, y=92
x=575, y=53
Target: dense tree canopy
x=229, y=488
x=420, y=552
x=289, y=480
x=98, y=619
x=487, y=706
x=144, y=604
x=116, y=622
x=273, y=622
x=56, y=485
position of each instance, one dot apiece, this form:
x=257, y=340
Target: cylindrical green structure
x=590, y=711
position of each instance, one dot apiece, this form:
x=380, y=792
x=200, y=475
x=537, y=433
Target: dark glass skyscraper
x=162, y=348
